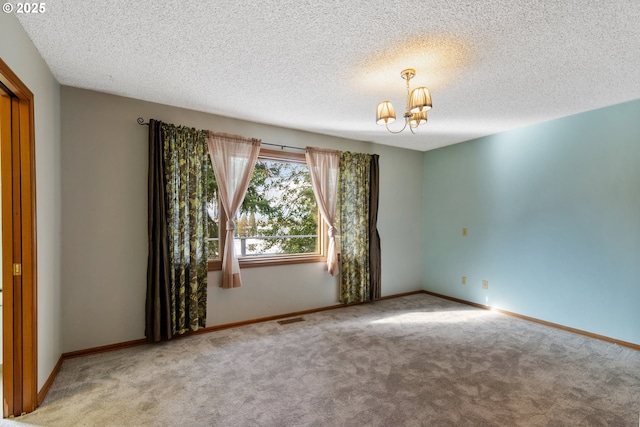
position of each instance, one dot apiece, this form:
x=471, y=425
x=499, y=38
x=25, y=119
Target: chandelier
x=418, y=103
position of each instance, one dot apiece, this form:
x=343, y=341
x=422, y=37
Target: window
x=278, y=222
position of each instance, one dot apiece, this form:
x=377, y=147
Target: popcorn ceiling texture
x=491, y=65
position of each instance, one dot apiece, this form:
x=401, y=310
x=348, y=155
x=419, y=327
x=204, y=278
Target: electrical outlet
x=485, y=284
x=464, y=280
x=465, y=232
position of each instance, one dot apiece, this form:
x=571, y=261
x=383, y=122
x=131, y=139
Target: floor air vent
x=287, y=321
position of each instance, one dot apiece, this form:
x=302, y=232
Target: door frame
x=19, y=301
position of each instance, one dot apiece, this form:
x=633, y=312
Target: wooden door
x=17, y=184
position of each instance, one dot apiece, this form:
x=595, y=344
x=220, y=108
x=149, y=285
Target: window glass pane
x=279, y=214
x=213, y=209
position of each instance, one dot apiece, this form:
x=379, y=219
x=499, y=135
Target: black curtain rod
x=282, y=147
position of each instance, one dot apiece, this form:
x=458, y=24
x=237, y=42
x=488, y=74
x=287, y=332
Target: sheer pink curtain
x=233, y=159
x=323, y=168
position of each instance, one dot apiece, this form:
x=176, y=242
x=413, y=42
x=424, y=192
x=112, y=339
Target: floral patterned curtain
x=185, y=161
x=354, y=195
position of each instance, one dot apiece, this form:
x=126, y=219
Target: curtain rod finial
x=141, y=121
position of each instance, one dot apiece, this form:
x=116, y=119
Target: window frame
x=273, y=260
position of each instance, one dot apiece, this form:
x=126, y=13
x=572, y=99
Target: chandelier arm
x=405, y=125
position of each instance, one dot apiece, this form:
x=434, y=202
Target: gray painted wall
x=21, y=55
x=104, y=247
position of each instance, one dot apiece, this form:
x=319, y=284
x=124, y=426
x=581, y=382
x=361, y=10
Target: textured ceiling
x=322, y=66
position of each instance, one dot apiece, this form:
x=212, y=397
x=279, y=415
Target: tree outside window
x=278, y=217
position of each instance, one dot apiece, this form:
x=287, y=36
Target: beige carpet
x=410, y=361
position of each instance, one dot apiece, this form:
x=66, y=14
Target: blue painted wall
x=553, y=218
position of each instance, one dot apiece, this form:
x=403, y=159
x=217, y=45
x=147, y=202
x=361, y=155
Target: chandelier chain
x=408, y=96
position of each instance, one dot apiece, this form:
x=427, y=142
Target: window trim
x=274, y=260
